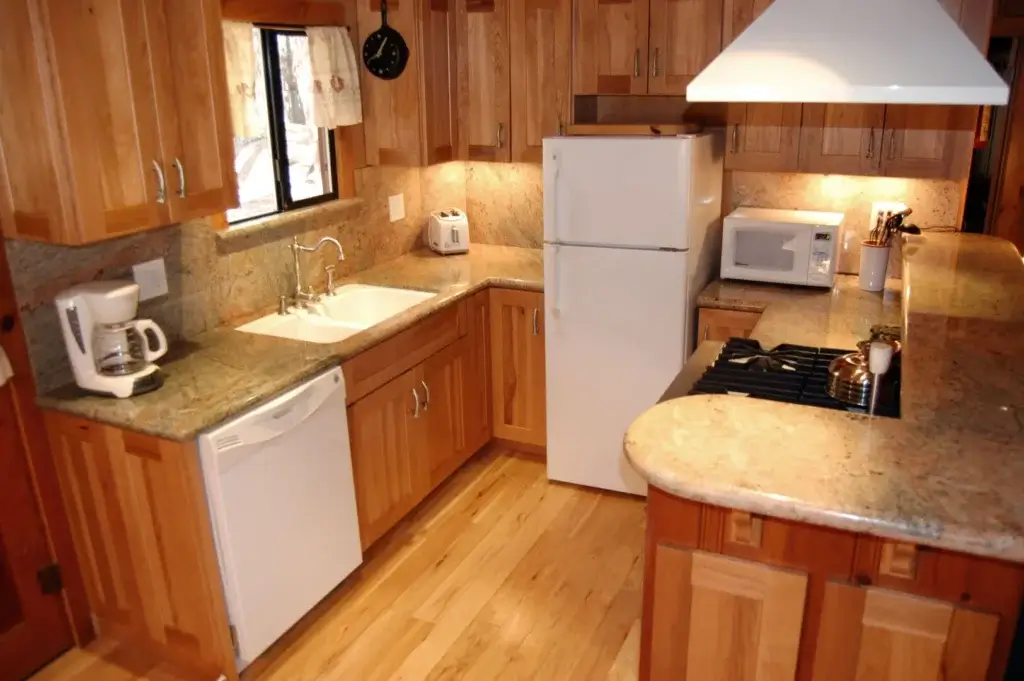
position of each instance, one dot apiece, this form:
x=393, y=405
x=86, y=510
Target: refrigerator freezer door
x=628, y=192
x=616, y=342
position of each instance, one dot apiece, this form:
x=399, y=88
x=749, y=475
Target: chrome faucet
x=309, y=296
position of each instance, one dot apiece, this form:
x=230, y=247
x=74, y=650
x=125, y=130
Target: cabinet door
x=517, y=366
x=539, y=31
x=841, y=138
x=879, y=635
x=390, y=472
x=476, y=388
x=443, y=415
x=610, y=55
x=186, y=40
x=484, y=113
x=928, y=141
x=438, y=35
x=103, y=71
x=685, y=36
x=760, y=137
x=721, y=325
x=723, y=618
x=391, y=108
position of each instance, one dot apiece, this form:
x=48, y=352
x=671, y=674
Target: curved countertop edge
x=948, y=474
x=253, y=368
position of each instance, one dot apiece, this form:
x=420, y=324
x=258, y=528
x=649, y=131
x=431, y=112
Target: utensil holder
x=874, y=261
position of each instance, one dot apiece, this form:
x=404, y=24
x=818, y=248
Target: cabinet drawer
x=371, y=369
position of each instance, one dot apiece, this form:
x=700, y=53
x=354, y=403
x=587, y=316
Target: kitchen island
x=830, y=545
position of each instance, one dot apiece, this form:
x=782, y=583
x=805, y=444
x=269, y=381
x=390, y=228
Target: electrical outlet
x=151, y=276
x=396, y=207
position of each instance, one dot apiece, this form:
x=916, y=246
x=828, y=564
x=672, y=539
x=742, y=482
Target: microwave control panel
x=822, y=260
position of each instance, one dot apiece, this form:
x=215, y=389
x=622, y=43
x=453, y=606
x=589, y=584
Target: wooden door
x=33, y=626
x=517, y=366
x=186, y=41
x=879, y=635
x=391, y=108
x=484, y=110
x=721, y=325
x=723, y=618
x=444, y=442
x=388, y=463
x=476, y=388
x=541, y=71
x=841, y=138
x=610, y=47
x=928, y=141
x=139, y=518
x=760, y=137
x=103, y=72
x=685, y=36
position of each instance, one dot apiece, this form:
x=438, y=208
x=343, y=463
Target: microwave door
x=777, y=255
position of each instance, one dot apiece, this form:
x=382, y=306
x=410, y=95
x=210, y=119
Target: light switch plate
x=151, y=276
x=396, y=207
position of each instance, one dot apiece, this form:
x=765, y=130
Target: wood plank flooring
x=499, y=576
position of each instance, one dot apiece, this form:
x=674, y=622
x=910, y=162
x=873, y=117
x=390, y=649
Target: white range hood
x=856, y=51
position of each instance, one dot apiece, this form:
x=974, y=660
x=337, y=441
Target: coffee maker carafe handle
x=149, y=353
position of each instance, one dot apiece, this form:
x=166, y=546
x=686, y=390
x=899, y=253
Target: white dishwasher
x=283, y=505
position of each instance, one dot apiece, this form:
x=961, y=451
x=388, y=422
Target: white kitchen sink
x=351, y=309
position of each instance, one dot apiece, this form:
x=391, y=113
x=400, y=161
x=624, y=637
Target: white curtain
x=248, y=115
x=336, y=97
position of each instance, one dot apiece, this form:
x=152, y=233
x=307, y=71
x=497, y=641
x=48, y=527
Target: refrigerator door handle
x=554, y=197
x=555, y=312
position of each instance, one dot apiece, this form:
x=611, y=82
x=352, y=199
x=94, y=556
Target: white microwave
x=781, y=246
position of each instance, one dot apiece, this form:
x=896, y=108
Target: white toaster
x=448, y=231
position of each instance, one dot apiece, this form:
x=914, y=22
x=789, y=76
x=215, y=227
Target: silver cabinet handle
x=416, y=404
x=181, y=177
x=161, y=183
x=892, y=144
x=735, y=139
x=636, y=63
x=871, y=145
x=536, y=321
x=707, y=331
x=561, y=125
x=654, y=62
x=426, y=391
x=501, y=135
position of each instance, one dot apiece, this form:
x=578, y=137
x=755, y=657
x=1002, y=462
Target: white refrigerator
x=632, y=233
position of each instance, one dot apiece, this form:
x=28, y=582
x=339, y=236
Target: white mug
x=874, y=260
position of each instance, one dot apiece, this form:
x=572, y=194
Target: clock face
x=385, y=53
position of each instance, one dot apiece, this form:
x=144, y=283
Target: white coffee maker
x=111, y=352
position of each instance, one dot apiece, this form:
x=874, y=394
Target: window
x=284, y=161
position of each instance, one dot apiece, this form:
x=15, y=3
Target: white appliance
x=631, y=236
x=448, y=231
x=864, y=51
x=781, y=246
x=111, y=352
x=282, y=500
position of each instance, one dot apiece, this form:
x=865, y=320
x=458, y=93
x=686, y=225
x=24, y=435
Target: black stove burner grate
x=744, y=367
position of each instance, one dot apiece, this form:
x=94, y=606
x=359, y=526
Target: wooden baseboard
x=535, y=451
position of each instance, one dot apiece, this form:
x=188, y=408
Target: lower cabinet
x=517, y=366
x=142, y=533
x=722, y=618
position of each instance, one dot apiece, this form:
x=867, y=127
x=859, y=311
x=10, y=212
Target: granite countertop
x=949, y=473
x=225, y=372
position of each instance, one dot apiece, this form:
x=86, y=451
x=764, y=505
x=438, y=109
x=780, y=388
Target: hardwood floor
x=499, y=575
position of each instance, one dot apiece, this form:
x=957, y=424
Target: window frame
x=277, y=131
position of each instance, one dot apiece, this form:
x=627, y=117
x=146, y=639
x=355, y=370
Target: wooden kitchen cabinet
x=722, y=618
x=484, y=92
x=442, y=379
x=121, y=122
x=928, y=141
x=477, y=386
x=685, y=36
x=759, y=137
x=882, y=635
x=842, y=138
x=610, y=41
x=138, y=516
x=720, y=325
x=517, y=366
x=541, y=73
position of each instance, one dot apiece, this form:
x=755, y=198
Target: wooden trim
x=646, y=130
x=531, y=450
x=292, y=13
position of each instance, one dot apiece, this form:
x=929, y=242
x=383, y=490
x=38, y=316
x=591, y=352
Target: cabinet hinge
x=50, y=579
x=234, y=638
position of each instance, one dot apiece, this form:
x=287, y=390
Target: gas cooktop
x=787, y=373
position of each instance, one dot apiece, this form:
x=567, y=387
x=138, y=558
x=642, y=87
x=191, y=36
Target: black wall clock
x=384, y=51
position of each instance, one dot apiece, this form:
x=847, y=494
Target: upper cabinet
x=484, y=88
x=644, y=46
x=121, y=121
